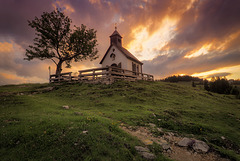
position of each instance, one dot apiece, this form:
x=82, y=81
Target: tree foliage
x=56, y=40
x=185, y=78
x=221, y=86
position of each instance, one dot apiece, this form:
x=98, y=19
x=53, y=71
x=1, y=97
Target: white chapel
x=118, y=56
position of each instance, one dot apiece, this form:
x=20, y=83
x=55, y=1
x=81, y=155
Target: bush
x=185, y=78
x=206, y=87
x=220, y=86
x=235, y=91
x=193, y=84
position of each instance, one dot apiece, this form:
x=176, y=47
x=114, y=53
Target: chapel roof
x=124, y=51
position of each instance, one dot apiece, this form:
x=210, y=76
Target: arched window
x=114, y=65
x=113, y=56
x=119, y=40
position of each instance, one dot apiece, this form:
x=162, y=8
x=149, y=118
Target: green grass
x=36, y=127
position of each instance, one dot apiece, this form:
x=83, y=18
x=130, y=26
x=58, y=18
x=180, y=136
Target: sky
x=194, y=37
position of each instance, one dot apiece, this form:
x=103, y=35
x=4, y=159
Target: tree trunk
x=59, y=68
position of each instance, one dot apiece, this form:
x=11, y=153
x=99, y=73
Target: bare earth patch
x=169, y=141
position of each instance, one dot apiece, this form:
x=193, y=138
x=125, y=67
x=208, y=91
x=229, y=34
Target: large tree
x=56, y=40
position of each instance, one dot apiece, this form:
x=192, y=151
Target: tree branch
x=54, y=61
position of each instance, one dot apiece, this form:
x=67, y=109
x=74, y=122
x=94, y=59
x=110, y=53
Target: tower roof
x=115, y=33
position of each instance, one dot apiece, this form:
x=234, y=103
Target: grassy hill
x=35, y=126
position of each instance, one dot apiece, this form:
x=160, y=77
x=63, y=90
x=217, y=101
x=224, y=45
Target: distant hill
x=81, y=121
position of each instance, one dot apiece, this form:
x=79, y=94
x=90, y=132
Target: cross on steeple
x=115, y=25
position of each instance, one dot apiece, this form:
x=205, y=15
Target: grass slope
x=35, y=126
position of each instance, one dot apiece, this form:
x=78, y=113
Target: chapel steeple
x=116, y=38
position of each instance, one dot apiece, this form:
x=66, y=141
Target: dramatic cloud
x=195, y=37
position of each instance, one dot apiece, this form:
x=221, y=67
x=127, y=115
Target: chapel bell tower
x=116, y=38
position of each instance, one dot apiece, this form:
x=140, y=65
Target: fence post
x=70, y=76
x=93, y=74
x=80, y=76
x=110, y=74
x=59, y=77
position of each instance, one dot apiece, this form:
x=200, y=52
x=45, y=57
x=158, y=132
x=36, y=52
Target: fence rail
x=104, y=75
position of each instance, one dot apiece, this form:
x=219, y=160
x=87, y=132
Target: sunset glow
x=202, y=51
x=145, y=44
x=228, y=72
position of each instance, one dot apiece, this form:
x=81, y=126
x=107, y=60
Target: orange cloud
x=6, y=47
x=233, y=72
x=63, y=4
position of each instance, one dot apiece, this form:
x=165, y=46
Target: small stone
x=166, y=146
x=162, y=141
x=159, y=119
x=78, y=113
x=185, y=142
x=200, y=146
x=147, y=142
x=170, y=133
x=152, y=125
x=169, y=151
x=65, y=107
x=159, y=130
x=141, y=149
x=148, y=156
x=222, y=137
x=85, y=132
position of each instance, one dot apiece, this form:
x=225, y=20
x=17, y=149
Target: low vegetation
x=221, y=86
x=34, y=124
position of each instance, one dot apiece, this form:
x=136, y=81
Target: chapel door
x=134, y=68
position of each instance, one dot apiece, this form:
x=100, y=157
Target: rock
x=147, y=142
x=65, y=107
x=141, y=149
x=165, y=146
x=152, y=125
x=46, y=89
x=144, y=152
x=159, y=119
x=162, y=141
x=170, y=133
x=200, y=146
x=159, y=130
x=78, y=113
x=222, y=137
x=85, y=132
x=185, y=142
x=148, y=156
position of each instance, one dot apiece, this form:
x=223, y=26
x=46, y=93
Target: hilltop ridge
x=34, y=123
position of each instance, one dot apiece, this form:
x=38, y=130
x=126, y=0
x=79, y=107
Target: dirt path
x=169, y=144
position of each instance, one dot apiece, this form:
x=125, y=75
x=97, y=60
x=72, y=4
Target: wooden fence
x=105, y=75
